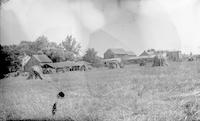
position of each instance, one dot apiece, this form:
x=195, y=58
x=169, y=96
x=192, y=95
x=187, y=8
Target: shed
x=66, y=65
x=36, y=60
x=174, y=55
x=83, y=65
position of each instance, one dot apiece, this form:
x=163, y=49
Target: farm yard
x=133, y=93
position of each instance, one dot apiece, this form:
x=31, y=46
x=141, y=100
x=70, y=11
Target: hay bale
x=142, y=64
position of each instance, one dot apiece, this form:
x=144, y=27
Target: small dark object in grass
x=61, y=95
x=142, y=64
x=54, y=109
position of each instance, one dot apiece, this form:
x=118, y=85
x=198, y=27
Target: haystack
x=159, y=60
x=36, y=72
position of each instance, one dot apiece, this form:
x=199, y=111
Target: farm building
x=115, y=53
x=24, y=60
x=148, y=53
x=69, y=66
x=118, y=53
x=39, y=60
x=130, y=54
x=197, y=57
x=174, y=55
x=63, y=66
x=83, y=65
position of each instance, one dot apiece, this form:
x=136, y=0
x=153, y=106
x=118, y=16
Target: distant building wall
x=119, y=55
x=109, y=54
x=174, y=55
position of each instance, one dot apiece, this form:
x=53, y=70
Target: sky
x=134, y=25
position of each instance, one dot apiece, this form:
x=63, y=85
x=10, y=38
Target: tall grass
x=133, y=93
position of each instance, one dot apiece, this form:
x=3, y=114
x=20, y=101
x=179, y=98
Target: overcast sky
x=134, y=24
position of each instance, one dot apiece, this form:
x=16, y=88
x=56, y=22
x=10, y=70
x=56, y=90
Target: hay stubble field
x=133, y=93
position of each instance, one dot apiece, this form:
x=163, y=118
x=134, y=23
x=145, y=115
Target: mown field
x=133, y=93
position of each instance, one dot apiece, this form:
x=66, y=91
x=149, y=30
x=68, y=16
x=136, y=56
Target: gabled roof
x=25, y=60
x=118, y=51
x=130, y=53
x=149, y=53
x=42, y=58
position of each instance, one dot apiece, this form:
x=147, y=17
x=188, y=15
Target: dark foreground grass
x=131, y=94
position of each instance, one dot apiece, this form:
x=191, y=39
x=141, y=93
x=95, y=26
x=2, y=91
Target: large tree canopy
x=70, y=44
x=91, y=57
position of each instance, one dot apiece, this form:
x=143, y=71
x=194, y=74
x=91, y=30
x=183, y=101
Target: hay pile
x=159, y=60
x=36, y=72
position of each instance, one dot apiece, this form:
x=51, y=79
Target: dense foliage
x=91, y=57
x=11, y=55
x=4, y=62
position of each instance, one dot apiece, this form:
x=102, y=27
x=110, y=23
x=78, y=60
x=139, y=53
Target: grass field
x=133, y=93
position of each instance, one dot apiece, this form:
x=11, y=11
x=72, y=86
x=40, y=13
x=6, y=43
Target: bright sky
x=136, y=24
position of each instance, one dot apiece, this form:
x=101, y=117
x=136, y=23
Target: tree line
x=69, y=49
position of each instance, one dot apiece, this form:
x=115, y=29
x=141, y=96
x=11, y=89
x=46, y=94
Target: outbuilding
x=36, y=60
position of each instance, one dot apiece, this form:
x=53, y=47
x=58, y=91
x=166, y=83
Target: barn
x=39, y=60
x=174, y=55
x=115, y=53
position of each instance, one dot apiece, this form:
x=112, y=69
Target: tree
x=9, y=60
x=4, y=62
x=31, y=48
x=70, y=44
x=13, y=57
x=91, y=57
x=27, y=48
x=40, y=43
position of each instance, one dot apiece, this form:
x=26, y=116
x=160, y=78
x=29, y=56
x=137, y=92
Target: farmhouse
x=39, y=60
